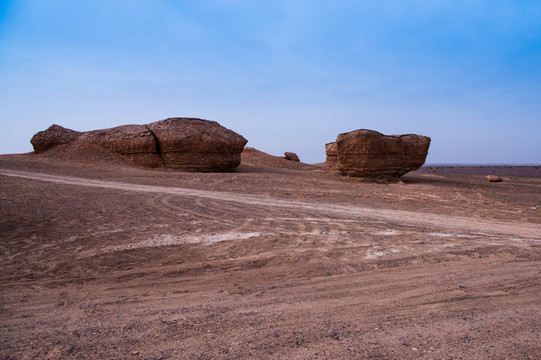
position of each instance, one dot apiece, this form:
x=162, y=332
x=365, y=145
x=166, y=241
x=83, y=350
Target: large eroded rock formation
x=368, y=153
x=182, y=143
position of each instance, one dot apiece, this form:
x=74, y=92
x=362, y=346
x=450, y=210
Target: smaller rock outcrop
x=494, y=178
x=332, y=154
x=291, y=156
x=370, y=154
x=259, y=159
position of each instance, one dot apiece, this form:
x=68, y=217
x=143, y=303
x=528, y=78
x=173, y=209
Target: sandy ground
x=102, y=261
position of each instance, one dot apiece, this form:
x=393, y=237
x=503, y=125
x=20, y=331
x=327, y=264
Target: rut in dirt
x=403, y=217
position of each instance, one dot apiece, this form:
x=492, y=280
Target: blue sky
x=287, y=75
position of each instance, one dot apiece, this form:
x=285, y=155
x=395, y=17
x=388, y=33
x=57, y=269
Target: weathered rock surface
x=131, y=142
x=332, y=154
x=197, y=145
x=55, y=135
x=291, y=156
x=368, y=153
x=182, y=143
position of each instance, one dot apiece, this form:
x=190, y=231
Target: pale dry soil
x=103, y=261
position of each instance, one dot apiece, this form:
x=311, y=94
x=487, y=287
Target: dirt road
x=106, y=262
x=401, y=216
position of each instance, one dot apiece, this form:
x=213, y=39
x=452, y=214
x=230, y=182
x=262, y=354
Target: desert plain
x=277, y=260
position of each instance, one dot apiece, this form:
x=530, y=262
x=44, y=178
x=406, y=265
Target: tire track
x=403, y=217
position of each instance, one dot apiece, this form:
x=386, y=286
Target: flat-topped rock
x=368, y=153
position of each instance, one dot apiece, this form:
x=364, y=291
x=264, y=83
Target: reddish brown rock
x=197, y=145
x=257, y=158
x=332, y=153
x=182, y=143
x=55, y=135
x=291, y=156
x=368, y=153
x=130, y=142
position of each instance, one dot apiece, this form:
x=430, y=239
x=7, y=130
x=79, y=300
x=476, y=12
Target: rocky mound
x=368, y=153
x=494, y=178
x=291, y=156
x=251, y=156
x=181, y=143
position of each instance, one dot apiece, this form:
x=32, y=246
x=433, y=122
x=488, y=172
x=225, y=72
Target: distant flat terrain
x=272, y=261
x=533, y=171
